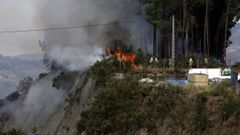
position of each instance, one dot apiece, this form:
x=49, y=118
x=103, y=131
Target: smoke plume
x=38, y=105
x=77, y=48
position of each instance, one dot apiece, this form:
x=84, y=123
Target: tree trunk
x=154, y=41
x=225, y=34
x=206, y=33
x=193, y=49
x=185, y=27
x=173, y=41
x=159, y=42
x=186, y=40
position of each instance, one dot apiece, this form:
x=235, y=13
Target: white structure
x=146, y=80
x=213, y=73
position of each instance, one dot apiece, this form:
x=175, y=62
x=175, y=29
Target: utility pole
x=185, y=27
x=173, y=42
x=225, y=34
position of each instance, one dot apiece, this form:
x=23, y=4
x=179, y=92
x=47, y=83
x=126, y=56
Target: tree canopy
x=202, y=26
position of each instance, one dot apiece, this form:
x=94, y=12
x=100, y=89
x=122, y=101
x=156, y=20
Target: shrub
x=103, y=71
x=14, y=96
x=2, y=103
x=201, y=118
x=13, y=132
x=229, y=107
x=42, y=75
x=126, y=106
x=64, y=80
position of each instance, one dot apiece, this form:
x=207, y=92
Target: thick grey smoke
x=78, y=48
x=39, y=104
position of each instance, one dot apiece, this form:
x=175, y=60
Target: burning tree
x=124, y=55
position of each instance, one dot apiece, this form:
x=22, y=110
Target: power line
x=67, y=28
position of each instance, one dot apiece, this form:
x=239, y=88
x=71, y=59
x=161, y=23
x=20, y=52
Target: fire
x=126, y=57
x=132, y=58
x=119, y=54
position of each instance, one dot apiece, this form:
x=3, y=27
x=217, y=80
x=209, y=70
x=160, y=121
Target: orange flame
x=130, y=57
x=119, y=54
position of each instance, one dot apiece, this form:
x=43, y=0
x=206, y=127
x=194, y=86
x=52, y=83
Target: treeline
x=202, y=26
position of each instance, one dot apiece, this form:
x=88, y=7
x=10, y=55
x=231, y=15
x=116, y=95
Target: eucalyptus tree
x=207, y=22
x=159, y=14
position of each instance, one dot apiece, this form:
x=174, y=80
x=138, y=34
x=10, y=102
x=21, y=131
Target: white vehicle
x=213, y=73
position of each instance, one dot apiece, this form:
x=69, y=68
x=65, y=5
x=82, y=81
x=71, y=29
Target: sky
x=235, y=37
x=20, y=14
x=17, y=15
x=233, y=54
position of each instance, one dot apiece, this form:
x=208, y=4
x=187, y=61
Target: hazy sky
x=18, y=15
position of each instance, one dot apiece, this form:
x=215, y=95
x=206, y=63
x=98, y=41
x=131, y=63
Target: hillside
x=95, y=102
x=129, y=107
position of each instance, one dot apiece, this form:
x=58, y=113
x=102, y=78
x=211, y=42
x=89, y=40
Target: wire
x=67, y=28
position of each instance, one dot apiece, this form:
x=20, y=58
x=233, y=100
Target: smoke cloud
x=76, y=49
x=39, y=104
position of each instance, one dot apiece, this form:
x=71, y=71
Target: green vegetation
x=13, y=132
x=22, y=88
x=42, y=75
x=202, y=26
x=4, y=117
x=103, y=71
x=73, y=97
x=14, y=96
x=2, y=103
x=24, y=85
x=201, y=119
x=64, y=80
x=126, y=106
